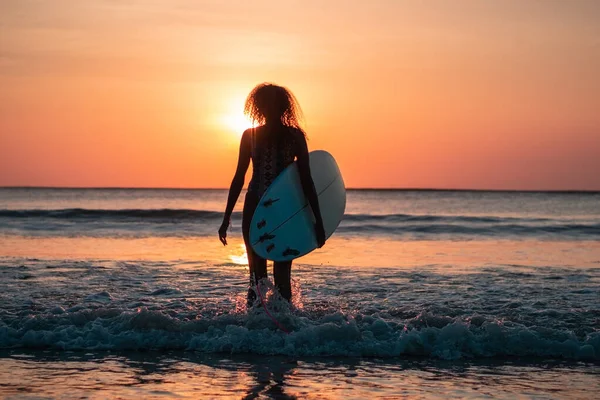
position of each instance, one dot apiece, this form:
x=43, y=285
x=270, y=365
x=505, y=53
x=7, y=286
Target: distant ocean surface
x=388, y=214
x=414, y=285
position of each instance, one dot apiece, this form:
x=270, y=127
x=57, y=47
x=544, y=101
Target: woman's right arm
x=237, y=184
x=308, y=187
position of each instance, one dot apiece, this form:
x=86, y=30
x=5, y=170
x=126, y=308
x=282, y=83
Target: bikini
x=269, y=160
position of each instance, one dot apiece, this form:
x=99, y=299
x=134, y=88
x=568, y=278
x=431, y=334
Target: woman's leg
x=257, y=265
x=282, y=274
x=258, y=271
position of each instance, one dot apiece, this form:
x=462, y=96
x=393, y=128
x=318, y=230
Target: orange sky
x=437, y=94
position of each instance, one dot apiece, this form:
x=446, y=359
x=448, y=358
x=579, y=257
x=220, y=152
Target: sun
x=232, y=119
x=237, y=122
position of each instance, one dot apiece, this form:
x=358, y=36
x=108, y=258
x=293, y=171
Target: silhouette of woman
x=274, y=144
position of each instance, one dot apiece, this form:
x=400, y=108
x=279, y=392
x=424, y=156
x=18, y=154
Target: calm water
x=421, y=293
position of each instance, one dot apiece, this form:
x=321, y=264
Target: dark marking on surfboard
x=270, y=247
x=261, y=224
x=290, y=252
x=269, y=202
x=265, y=237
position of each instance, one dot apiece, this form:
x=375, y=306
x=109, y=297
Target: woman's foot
x=286, y=292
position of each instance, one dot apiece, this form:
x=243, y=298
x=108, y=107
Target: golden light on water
x=240, y=257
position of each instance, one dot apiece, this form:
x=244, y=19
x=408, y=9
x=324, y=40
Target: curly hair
x=272, y=102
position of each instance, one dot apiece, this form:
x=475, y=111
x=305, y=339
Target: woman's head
x=268, y=103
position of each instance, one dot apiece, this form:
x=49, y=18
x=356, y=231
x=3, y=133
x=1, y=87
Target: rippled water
x=402, y=215
x=190, y=375
x=447, y=294
x=389, y=312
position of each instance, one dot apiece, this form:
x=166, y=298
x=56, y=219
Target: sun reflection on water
x=240, y=257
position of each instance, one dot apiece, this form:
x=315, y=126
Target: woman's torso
x=273, y=149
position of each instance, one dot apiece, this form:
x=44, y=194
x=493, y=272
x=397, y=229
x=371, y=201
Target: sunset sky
x=421, y=94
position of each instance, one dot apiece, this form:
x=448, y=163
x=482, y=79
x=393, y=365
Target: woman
x=274, y=144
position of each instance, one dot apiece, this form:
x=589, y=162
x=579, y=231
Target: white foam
x=128, y=306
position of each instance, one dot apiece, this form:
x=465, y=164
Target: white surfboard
x=282, y=227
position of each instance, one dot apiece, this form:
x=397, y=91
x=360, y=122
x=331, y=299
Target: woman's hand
x=223, y=232
x=320, y=233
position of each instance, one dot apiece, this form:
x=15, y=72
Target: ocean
x=430, y=294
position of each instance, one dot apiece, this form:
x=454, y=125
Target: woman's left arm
x=236, y=184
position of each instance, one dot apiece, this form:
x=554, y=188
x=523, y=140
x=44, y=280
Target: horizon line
x=397, y=189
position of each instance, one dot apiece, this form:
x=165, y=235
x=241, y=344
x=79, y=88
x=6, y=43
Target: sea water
x=128, y=292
